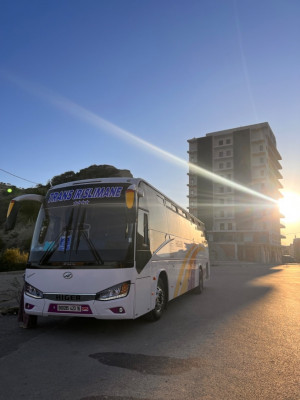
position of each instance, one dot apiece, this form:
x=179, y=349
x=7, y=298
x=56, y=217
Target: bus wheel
x=26, y=321
x=160, y=302
x=199, y=288
x=29, y=321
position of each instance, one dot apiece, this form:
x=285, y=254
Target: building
x=296, y=248
x=240, y=226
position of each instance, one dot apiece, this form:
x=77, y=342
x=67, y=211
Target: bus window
x=142, y=228
x=146, y=232
x=157, y=213
x=174, y=222
x=143, y=253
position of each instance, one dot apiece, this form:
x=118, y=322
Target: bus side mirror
x=12, y=214
x=14, y=207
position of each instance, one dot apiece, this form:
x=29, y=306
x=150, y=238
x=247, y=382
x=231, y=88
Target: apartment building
x=240, y=226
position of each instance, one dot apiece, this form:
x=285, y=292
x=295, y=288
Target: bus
x=109, y=248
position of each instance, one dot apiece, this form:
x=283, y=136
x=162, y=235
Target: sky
x=127, y=83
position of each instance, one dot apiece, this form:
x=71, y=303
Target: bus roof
x=132, y=181
x=99, y=180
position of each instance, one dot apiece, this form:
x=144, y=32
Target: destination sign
x=85, y=194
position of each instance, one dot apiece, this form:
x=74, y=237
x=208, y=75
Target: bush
x=13, y=260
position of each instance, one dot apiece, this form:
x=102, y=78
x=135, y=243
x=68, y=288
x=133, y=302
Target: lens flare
x=289, y=206
x=91, y=118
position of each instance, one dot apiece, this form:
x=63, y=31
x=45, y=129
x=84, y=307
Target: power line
x=27, y=180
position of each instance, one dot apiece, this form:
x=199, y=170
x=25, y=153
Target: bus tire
x=30, y=322
x=199, y=288
x=160, y=302
x=26, y=321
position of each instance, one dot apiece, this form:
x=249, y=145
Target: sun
x=289, y=206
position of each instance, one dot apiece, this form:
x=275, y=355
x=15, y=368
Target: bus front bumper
x=109, y=309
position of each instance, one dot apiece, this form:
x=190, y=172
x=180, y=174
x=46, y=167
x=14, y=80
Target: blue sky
x=165, y=71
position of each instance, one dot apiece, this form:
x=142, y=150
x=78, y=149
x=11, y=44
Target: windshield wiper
x=52, y=248
x=82, y=232
x=66, y=230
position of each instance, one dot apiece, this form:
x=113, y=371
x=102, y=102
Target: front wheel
x=160, y=302
x=26, y=321
x=29, y=321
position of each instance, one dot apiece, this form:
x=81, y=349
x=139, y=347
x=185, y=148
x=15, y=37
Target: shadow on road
x=228, y=291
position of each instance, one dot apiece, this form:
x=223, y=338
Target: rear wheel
x=199, y=288
x=160, y=302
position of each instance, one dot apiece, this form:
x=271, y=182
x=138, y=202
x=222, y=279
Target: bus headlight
x=33, y=292
x=114, y=292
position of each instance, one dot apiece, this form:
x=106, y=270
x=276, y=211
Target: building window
x=229, y=176
x=261, y=160
x=222, y=213
x=221, y=189
x=228, y=141
x=222, y=226
x=228, y=153
x=261, y=147
x=230, y=226
x=228, y=164
x=221, y=142
x=221, y=154
x=228, y=189
x=221, y=165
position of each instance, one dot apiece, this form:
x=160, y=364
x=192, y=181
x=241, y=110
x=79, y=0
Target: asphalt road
x=239, y=339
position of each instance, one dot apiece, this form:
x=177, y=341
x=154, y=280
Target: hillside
x=20, y=237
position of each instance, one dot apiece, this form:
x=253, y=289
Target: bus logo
x=68, y=275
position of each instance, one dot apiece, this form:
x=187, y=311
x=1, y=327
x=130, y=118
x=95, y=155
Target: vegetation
x=13, y=260
x=15, y=245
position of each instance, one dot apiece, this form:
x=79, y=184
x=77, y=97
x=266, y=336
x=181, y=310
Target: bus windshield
x=96, y=235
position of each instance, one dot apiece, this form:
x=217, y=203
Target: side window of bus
x=142, y=229
x=174, y=221
x=143, y=254
x=143, y=203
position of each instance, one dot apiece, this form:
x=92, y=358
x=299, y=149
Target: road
x=239, y=339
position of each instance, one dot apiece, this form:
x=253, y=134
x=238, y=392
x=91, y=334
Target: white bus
x=111, y=248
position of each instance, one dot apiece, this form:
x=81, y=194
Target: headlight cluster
x=114, y=292
x=33, y=292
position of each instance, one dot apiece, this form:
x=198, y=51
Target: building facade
x=296, y=249
x=240, y=226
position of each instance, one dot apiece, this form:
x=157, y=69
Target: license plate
x=68, y=308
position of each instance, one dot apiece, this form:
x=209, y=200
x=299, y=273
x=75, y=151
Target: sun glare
x=289, y=206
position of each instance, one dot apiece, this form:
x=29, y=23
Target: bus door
x=143, y=257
